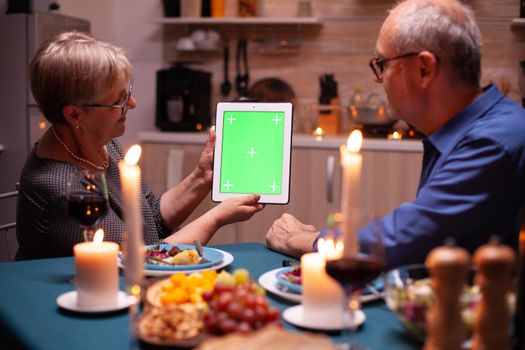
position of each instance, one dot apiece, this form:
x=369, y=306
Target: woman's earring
x=77, y=127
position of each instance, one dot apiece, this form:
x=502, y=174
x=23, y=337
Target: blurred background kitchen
x=319, y=48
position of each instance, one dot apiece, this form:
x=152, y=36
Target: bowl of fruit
x=409, y=295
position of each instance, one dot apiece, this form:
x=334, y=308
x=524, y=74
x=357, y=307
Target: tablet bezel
x=286, y=107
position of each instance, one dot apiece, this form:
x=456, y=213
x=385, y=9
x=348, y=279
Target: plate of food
x=180, y=257
x=286, y=283
x=268, y=281
x=290, y=278
x=183, y=310
x=217, y=259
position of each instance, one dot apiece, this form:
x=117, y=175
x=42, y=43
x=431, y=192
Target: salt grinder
x=448, y=266
x=491, y=327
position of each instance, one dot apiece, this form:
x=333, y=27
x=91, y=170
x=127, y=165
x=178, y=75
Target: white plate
x=294, y=315
x=268, y=281
x=68, y=301
x=227, y=260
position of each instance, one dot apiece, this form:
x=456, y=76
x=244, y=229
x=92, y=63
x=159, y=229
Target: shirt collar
x=443, y=138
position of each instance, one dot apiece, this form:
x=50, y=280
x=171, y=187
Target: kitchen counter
x=298, y=141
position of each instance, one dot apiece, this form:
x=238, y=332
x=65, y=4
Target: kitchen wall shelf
x=518, y=22
x=299, y=21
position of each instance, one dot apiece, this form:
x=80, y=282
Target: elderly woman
x=83, y=86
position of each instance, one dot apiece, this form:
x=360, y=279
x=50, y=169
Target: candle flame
x=354, y=141
x=394, y=136
x=330, y=248
x=99, y=236
x=133, y=155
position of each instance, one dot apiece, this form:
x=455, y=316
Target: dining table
x=31, y=319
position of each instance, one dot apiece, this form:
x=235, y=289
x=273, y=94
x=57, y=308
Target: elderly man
x=472, y=183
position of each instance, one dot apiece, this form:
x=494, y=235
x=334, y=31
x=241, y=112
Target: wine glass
x=353, y=271
x=87, y=199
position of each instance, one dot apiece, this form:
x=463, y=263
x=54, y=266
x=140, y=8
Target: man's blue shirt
x=472, y=184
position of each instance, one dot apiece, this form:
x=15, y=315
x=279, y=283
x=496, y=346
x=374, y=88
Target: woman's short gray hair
x=73, y=68
x=449, y=31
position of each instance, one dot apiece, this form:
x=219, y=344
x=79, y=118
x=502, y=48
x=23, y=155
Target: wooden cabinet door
x=155, y=165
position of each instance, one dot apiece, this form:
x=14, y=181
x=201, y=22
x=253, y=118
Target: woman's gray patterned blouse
x=44, y=228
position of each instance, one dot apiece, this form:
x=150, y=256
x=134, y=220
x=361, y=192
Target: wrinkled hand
x=237, y=209
x=290, y=236
x=205, y=165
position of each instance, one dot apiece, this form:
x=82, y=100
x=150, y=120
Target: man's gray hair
x=450, y=32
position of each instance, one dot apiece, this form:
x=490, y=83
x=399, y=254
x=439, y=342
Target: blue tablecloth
x=30, y=317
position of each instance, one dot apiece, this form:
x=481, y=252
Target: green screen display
x=252, y=152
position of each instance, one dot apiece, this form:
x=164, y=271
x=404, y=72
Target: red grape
x=207, y=295
x=249, y=316
x=224, y=301
x=260, y=313
x=228, y=326
x=244, y=327
x=250, y=301
x=273, y=314
x=237, y=308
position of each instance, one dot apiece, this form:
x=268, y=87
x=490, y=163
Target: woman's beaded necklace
x=105, y=163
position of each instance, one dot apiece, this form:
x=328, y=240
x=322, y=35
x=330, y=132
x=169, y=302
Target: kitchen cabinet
x=235, y=27
x=240, y=21
x=390, y=175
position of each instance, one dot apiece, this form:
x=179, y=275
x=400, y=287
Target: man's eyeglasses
x=123, y=106
x=378, y=64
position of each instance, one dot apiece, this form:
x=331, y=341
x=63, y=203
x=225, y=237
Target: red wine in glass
x=349, y=272
x=87, y=208
x=87, y=199
x=354, y=270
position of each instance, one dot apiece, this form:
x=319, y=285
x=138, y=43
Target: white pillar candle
x=97, y=272
x=131, y=189
x=322, y=296
x=351, y=161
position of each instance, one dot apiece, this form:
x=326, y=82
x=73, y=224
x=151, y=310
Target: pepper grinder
x=448, y=266
x=495, y=263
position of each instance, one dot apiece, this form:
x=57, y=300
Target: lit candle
x=130, y=178
x=97, y=272
x=351, y=161
x=318, y=133
x=322, y=296
x=330, y=248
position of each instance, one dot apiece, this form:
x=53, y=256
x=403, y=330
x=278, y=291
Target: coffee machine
x=183, y=99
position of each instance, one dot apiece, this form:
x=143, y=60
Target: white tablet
x=252, y=151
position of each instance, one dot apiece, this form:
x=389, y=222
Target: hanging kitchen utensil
x=242, y=78
x=226, y=86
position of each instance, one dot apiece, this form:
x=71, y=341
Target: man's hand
x=290, y=236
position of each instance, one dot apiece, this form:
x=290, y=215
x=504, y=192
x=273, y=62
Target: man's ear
x=72, y=115
x=428, y=67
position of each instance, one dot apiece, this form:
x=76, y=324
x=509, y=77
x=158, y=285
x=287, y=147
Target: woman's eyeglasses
x=123, y=106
